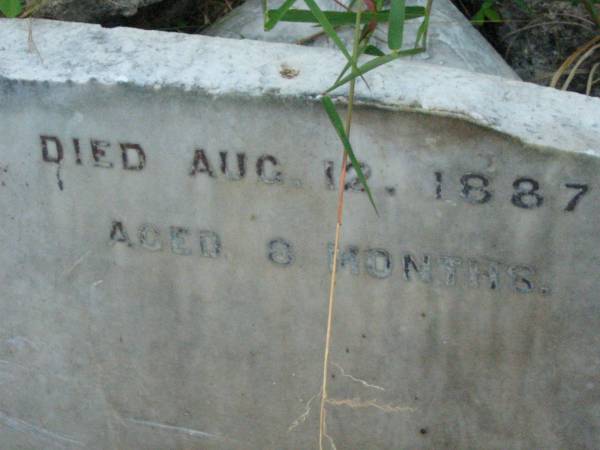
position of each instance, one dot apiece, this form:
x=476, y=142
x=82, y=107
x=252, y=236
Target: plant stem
x=426, y=20
x=338, y=226
x=592, y=11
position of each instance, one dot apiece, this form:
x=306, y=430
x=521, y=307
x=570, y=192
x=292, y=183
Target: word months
x=441, y=270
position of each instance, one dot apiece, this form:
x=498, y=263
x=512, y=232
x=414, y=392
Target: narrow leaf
x=273, y=16
x=373, y=64
x=421, y=40
x=336, y=121
x=373, y=51
x=478, y=18
x=493, y=15
x=11, y=8
x=337, y=18
x=327, y=27
x=396, y=27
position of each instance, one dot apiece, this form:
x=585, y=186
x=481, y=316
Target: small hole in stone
x=423, y=431
x=423, y=314
x=333, y=375
x=364, y=336
x=347, y=350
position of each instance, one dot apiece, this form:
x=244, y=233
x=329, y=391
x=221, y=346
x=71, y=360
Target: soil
x=535, y=42
x=185, y=16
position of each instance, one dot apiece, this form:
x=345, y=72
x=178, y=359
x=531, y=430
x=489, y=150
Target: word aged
x=181, y=239
x=378, y=263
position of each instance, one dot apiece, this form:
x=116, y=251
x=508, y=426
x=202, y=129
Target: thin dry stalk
x=571, y=59
x=580, y=61
x=590, y=80
x=331, y=301
x=338, y=227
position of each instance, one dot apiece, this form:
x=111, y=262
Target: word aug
x=133, y=157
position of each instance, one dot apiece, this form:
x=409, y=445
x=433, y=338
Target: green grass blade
x=337, y=18
x=327, y=27
x=373, y=64
x=273, y=16
x=11, y=8
x=413, y=12
x=343, y=72
x=336, y=121
x=396, y=27
x=493, y=15
x=373, y=51
x=423, y=30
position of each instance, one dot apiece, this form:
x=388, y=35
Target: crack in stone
x=23, y=426
x=356, y=403
x=357, y=380
x=302, y=418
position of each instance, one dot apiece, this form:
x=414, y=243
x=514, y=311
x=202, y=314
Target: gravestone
x=168, y=206
x=453, y=41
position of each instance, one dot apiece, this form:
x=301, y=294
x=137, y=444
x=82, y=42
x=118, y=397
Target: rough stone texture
x=453, y=42
x=114, y=341
x=89, y=10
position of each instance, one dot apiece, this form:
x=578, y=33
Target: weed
x=365, y=16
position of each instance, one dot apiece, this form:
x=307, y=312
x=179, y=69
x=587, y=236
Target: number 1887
x=475, y=189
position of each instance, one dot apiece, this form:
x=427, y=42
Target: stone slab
x=163, y=278
x=453, y=41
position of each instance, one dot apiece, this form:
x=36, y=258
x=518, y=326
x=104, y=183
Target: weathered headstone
x=453, y=41
x=167, y=206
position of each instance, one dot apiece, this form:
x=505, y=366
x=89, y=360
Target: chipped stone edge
x=77, y=53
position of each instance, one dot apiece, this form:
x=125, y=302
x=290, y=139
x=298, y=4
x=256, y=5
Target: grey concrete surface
x=167, y=206
x=453, y=41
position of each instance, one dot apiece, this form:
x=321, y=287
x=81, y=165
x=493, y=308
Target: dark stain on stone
x=288, y=72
